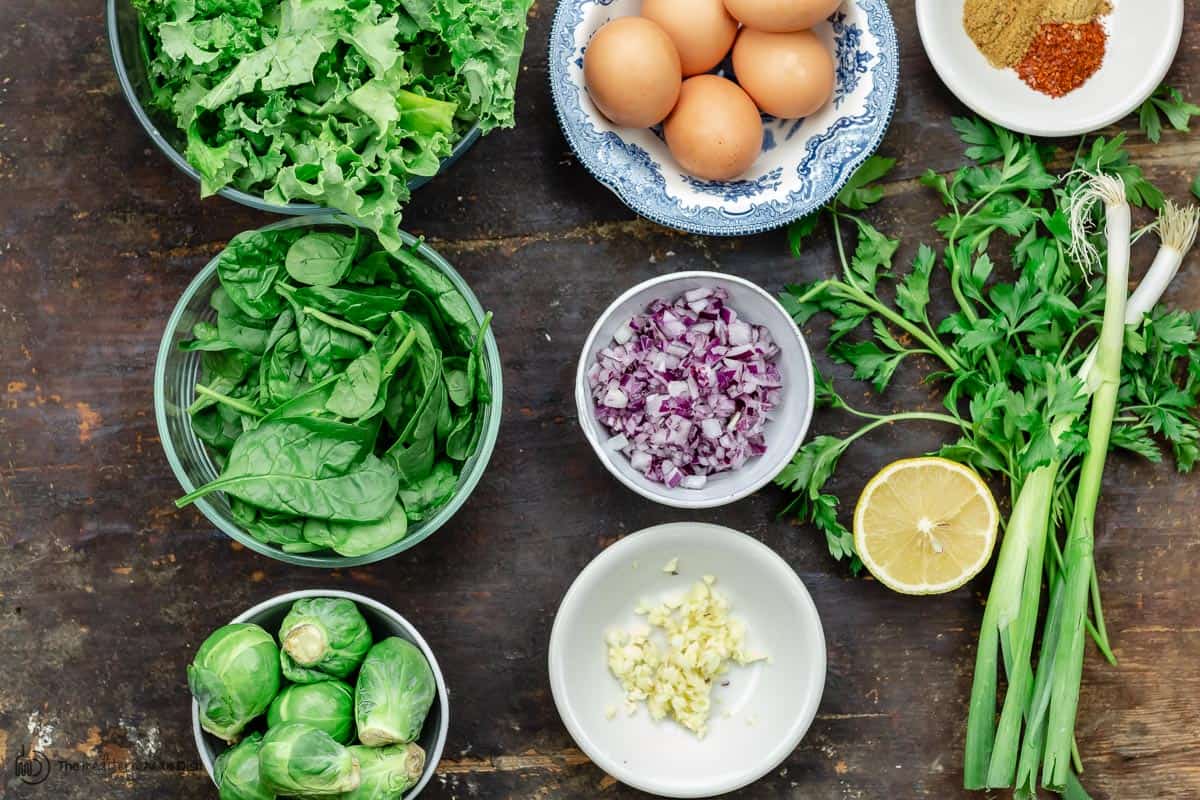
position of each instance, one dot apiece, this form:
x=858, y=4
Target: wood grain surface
x=106, y=589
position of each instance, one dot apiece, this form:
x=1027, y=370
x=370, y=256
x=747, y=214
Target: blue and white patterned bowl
x=804, y=162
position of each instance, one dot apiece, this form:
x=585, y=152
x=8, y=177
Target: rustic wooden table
x=106, y=589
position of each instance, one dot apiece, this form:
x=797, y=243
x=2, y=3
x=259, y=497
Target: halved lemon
x=925, y=525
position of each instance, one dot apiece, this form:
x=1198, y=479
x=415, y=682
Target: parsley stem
x=856, y=294
x=907, y=416
x=1079, y=329
x=841, y=248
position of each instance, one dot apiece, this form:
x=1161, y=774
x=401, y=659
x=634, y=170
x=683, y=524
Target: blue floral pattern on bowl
x=804, y=162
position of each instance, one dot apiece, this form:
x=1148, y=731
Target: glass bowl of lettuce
x=299, y=106
x=324, y=401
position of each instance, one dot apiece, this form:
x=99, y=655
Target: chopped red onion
x=686, y=388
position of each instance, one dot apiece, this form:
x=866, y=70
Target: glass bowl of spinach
x=294, y=106
x=324, y=401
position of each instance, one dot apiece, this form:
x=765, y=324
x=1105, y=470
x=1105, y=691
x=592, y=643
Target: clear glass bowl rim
x=476, y=466
x=228, y=192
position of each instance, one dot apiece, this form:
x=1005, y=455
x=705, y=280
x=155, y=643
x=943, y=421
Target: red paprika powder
x=1063, y=56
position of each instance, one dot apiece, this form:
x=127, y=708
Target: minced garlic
x=702, y=641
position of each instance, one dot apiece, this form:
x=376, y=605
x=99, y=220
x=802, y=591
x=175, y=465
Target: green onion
x=1078, y=564
x=1045, y=701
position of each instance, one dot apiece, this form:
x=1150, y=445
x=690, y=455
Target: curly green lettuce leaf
x=327, y=102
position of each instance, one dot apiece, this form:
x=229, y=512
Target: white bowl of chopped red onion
x=695, y=389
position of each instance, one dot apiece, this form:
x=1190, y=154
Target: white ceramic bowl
x=1143, y=38
x=784, y=432
x=384, y=622
x=770, y=705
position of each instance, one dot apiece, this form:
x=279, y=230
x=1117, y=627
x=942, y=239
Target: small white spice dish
x=1142, y=41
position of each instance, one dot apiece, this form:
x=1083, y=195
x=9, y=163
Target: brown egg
x=632, y=72
x=781, y=16
x=715, y=132
x=787, y=74
x=702, y=30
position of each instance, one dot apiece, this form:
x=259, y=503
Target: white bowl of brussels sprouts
x=315, y=694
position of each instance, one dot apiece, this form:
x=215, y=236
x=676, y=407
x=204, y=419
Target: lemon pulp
x=925, y=525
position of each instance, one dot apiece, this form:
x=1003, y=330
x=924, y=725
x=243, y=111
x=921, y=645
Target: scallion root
x=1177, y=226
x=1101, y=188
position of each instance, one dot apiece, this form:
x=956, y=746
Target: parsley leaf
x=800, y=230
x=1017, y=328
x=1109, y=155
x=873, y=256
x=858, y=193
x=987, y=142
x=1169, y=103
x=912, y=294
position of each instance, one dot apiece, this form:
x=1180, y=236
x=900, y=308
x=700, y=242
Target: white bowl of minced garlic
x=687, y=660
x=1051, y=68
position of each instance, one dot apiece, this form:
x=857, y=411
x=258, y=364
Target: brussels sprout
x=327, y=706
x=394, y=692
x=387, y=772
x=236, y=772
x=298, y=759
x=234, y=677
x=323, y=638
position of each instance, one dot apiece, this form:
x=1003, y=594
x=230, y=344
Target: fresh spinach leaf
x=459, y=381
x=359, y=540
x=248, y=268
x=356, y=389
x=320, y=259
x=207, y=339
x=441, y=292
x=307, y=467
x=372, y=269
x=282, y=371
x=369, y=307
x=224, y=371
x=324, y=345
x=460, y=443
x=413, y=462
x=429, y=494
x=218, y=427
x=342, y=400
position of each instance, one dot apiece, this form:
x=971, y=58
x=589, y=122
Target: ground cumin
x=1076, y=12
x=1003, y=30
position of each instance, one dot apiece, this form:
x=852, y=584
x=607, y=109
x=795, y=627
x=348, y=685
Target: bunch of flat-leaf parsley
x=1013, y=357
